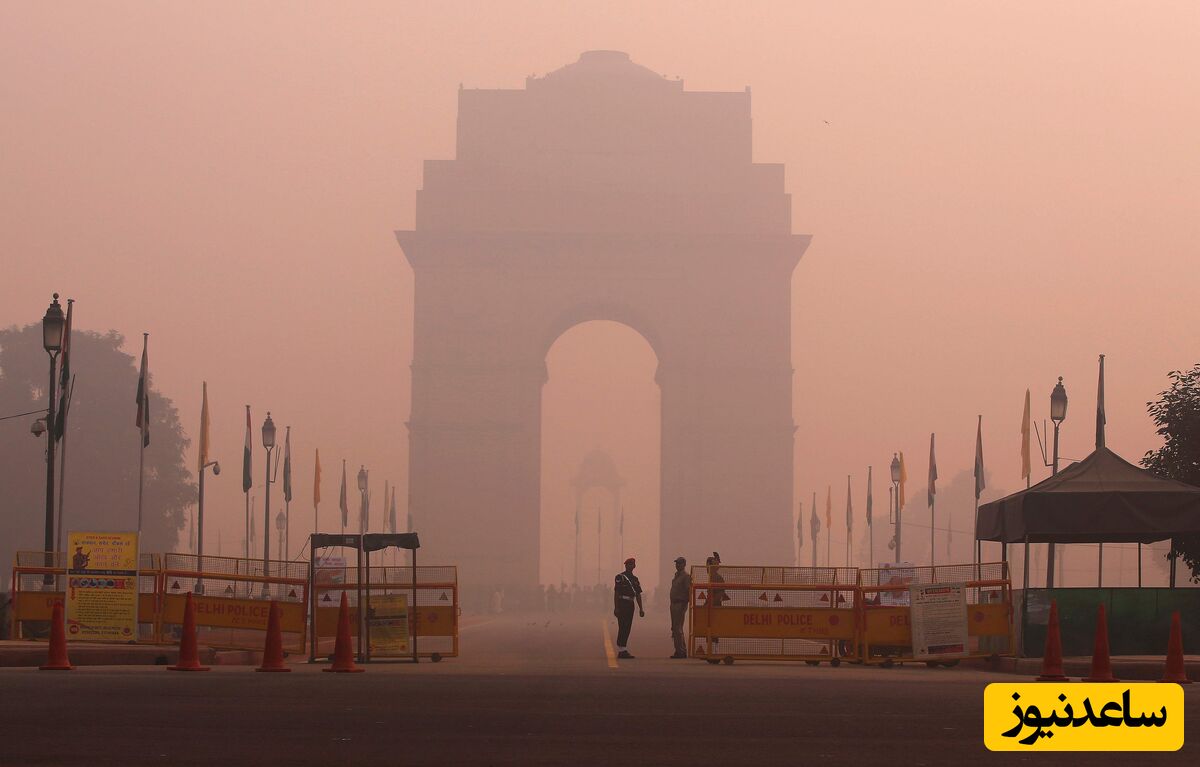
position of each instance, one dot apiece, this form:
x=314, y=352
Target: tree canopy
x=1176, y=413
x=101, y=482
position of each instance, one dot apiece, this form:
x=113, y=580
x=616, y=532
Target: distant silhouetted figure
x=627, y=590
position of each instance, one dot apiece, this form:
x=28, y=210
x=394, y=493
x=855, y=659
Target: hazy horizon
x=996, y=195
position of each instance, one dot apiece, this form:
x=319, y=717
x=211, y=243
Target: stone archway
x=601, y=191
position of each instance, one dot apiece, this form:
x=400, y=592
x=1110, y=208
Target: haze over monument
x=995, y=197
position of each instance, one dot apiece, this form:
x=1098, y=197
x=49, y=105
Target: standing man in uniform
x=627, y=589
x=681, y=596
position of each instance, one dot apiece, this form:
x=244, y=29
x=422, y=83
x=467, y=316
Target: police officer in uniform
x=627, y=590
x=681, y=596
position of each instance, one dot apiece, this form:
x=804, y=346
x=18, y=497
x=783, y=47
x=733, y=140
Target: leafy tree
x=1176, y=412
x=101, y=482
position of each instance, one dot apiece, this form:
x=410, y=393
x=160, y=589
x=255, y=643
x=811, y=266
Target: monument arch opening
x=601, y=420
x=601, y=191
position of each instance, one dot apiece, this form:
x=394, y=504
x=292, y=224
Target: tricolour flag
x=814, y=522
x=247, y=480
x=932, y=472
x=203, y=459
x=1101, y=420
x=342, y=497
x=870, y=499
x=317, y=479
x=980, y=483
x=392, y=511
x=287, y=465
x=849, y=509
x=64, y=378
x=800, y=524
x=143, y=394
x=365, y=522
x=1026, y=466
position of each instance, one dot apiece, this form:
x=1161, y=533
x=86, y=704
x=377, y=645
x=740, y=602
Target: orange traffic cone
x=1175, y=671
x=57, y=660
x=189, y=654
x=273, y=649
x=1052, y=667
x=343, y=654
x=1101, y=664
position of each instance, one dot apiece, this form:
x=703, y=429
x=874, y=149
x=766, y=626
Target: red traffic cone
x=273, y=649
x=343, y=654
x=1101, y=664
x=189, y=654
x=1052, y=668
x=57, y=660
x=1175, y=671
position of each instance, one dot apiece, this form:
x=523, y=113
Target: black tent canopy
x=1101, y=499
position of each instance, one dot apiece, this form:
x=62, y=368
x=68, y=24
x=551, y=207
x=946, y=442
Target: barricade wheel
x=713, y=661
x=728, y=660
x=835, y=662
x=436, y=657
x=812, y=662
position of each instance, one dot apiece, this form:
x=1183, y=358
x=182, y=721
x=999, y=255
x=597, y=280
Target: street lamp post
x=1058, y=414
x=268, y=438
x=216, y=470
x=896, y=485
x=52, y=339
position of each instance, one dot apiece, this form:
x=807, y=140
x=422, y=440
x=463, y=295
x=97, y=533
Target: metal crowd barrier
x=232, y=597
x=774, y=613
x=432, y=607
x=886, y=637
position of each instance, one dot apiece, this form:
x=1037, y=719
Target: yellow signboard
x=1040, y=716
x=387, y=625
x=102, y=587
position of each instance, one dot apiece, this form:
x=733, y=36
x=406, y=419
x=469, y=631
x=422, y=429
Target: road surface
x=527, y=690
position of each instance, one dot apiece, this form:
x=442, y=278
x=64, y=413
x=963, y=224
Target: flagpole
x=870, y=518
x=62, y=463
x=816, y=530
x=143, y=433
x=932, y=517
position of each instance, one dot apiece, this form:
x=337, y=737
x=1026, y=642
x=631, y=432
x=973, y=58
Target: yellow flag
x=903, y=481
x=317, y=481
x=204, y=429
x=1025, y=464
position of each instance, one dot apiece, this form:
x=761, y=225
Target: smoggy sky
x=997, y=194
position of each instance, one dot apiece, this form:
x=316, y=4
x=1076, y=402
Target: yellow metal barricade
x=232, y=597
x=432, y=613
x=774, y=613
x=39, y=580
x=886, y=622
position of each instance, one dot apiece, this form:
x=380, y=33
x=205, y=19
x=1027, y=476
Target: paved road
x=527, y=691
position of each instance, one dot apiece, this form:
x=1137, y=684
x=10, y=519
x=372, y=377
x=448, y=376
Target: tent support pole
x=1024, y=597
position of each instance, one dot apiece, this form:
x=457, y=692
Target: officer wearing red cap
x=627, y=590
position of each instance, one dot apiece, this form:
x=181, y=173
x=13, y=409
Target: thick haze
x=997, y=193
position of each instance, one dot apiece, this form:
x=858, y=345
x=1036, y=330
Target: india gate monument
x=601, y=191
